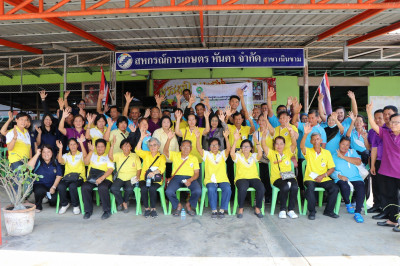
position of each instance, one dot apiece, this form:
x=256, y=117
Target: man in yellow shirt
x=320, y=166
x=19, y=142
x=185, y=172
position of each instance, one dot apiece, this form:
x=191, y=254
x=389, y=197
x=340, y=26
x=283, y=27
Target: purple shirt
x=73, y=133
x=376, y=142
x=391, y=153
x=153, y=126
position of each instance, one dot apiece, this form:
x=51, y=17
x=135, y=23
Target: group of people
x=231, y=150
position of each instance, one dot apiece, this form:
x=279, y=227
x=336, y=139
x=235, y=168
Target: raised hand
x=334, y=116
x=197, y=132
x=221, y=116
x=10, y=115
x=65, y=113
x=178, y=97
x=307, y=128
x=90, y=119
x=240, y=93
x=178, y=115
x=171, y=134
x=68, y=109
x=271, y=92
x=60, y=103
x=106, y=108
x=128, y=97
x=132, y=127
x=225, y=133
x=320, y=97
x=38, y=129
x=38, y=152
x=110, y=122
x=351, y=95
x=290, y=100
x=207, y=114
x=202, y=95
x=368, y=107
x=236, y=135
x=192, y=99
x=43, y=94
x=81, y=139
x=147, y=113
x=91, y=147
x=228, y=111
x=101, y=94
x=59, y=144
x=15, y=131
x=143, y=133
x=206, y=101
x=297, y=108
x=66, y=94
x=352, y=116
x=114, y=140
x=290, y=129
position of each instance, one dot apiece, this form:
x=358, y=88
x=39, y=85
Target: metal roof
x=230, y=28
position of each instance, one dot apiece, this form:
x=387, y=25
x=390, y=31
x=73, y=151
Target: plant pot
x=19, y=222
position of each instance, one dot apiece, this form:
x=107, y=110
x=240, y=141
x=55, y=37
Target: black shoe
x=380, y=216
x=87, y=215
x=146, y=213
x=120, y=208
x=385, y=224
x=396, y=229
x=153, y=214
x=374, y=210
x=239, y=215
x=332, y=214
x=259, y=215
x=106, y=215
x=221, y=214
x=126, y=210
x=311, y=216
x=214, y=215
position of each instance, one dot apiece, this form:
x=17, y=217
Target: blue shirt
x=274, y=121
x=256, y=125
x=114, y=126
x=48, y=171
x=357, y=141
x=345, y=168
x=315, y=129
x=49, y=138
x=145, y=143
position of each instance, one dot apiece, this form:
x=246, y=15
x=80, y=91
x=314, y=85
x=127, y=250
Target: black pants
x=230, y=172
x=168, y=169
x=375, y=185
x=40, y=191
x=145, y=191
x=285, y=191
x=73, y=192
x=300, y=177
x=242, y=186
x=391, y=194
x=103, y=192
x=358, y=194
x=264, y=175
x=116, y=190
x=330, y=187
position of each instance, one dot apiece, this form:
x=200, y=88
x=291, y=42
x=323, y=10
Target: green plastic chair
x=204, y=193
x=337, y=207
x=320, y=195
x=250, y=189
x=275, y=192
x=160, y=190
x=80, y=200
x=3, y=152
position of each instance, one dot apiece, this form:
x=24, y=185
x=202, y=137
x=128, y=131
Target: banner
x=210, y=58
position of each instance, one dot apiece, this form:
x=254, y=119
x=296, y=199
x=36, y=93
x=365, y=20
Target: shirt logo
x=323, y=164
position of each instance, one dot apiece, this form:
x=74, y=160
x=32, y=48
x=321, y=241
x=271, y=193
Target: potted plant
x=18, y=216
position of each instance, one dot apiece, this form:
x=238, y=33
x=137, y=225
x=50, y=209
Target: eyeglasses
x=152, y=145
x=246, y=147
x=394, y=122
x=214, y=145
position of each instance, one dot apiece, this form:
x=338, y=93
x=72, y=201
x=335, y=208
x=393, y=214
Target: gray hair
x=316, y=134
x=152, y=139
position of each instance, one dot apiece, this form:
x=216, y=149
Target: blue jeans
x=213, y=195
x=14, y=167
x=176, y=182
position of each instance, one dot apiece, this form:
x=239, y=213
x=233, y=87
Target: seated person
x=100, y=176
x=246, y=173
x=45, y=164
x=128, y=166
x=185, y=173
x=346, y=173
x=215, y=173
x=153, y=168
x=320, y=166
x=74, y=174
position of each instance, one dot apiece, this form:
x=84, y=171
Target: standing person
x=135, y=134
x=341, y=112
x=271, y=117
x=185, y=173
x=346, y=173
x=376, y=157
x=100, y=176
x=155, y=114
x=120, y=133
x=217, y=127
x=74, y=174
x=359, y=137
x=215, y=173
x=334, y=132
x=200, y=110
x=389, y=171
x=76, y=131
x=186, y=97
x=99, y=129
x=45, y=164
x=153, y=169
x=247, y=174
x=320, y=166
x=134, y=113
x=47, y=133
x=128, y=166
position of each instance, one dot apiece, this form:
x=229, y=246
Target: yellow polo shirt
x=318, y=163
x=148, y=159
x=130, y=167
x=119, y=136
x=22, y=145
x=285, y=163
x=244, y=134
x=187, y=168
x=102, y=163
x=163, y=137
x=215, y=166
x=74, y=164
x=246, y=168
x=96, y=134
x=189, y=135
x=268, y=140
x=182, y=125
x=284, y=132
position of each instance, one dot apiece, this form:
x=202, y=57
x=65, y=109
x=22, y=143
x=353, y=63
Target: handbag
x=94, y=174
x=115, y=175
x=156, y=176
x=72, y=177
x=285, y=175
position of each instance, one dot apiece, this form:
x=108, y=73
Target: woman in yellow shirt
x=215, y=173
x=246, y=173
x=153, y=169
x=128, y=166
x=74, y=167
x=280, y=161
x=99, y=129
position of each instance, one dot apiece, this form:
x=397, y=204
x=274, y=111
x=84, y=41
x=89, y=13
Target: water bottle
x=184, y=182
x=183, y=214
x=137, y=184
x=148, y=182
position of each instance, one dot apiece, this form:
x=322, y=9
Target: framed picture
x=90, y=93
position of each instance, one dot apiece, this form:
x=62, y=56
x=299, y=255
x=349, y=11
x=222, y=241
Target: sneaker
x=146, y=213
x=214, y=214
x=282, y=215
x=76, y=210
x=63, y=209
x=153, y=214
x=350, y=208
x=221, y=214
x=292, y=215
x=106, y=215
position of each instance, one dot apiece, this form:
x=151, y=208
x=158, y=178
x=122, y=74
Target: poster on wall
x=379, y=102
x=90, y=93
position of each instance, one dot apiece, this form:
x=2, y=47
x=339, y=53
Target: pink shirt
x=391, y=153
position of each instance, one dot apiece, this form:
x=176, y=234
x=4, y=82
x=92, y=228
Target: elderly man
x=320, y=166
x=185, y=173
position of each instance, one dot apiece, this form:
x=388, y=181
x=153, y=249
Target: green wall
x=384, y=86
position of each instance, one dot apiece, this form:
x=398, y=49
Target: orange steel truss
x=147, y=6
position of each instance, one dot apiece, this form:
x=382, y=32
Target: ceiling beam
x=33, y=73
x=374, y=34
x=89, y=70
x=19, y=46
x=59, y=72
x=395, y=66
x=6, y=75
x=202, y=25
x=62, y=24
x=366, y=65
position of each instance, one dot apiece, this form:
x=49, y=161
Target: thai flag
x=326, y=91
x=104, y=87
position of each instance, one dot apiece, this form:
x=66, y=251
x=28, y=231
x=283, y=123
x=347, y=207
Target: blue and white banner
x=218, y=58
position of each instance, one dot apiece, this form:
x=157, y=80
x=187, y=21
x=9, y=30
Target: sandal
x=358, y=218
x=191, y=212
x=176, y=213
x=350, y=208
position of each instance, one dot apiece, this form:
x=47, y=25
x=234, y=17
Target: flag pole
x=313, y=98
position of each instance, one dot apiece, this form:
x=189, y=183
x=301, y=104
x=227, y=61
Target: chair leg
x=320, y=198
x=97, y=198
x=81, y=200
x=136, y=191
x=274, y=199
x=305, y=207
x=235, y=202
x=58, y=202
x=337, y=205
x=253, y=196
x=299, y=200
x=203, y=200
x=365, y=206
x=113, y=204
x=162, y=199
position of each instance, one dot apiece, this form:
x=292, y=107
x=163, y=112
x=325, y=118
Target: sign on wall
x=212, y=58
